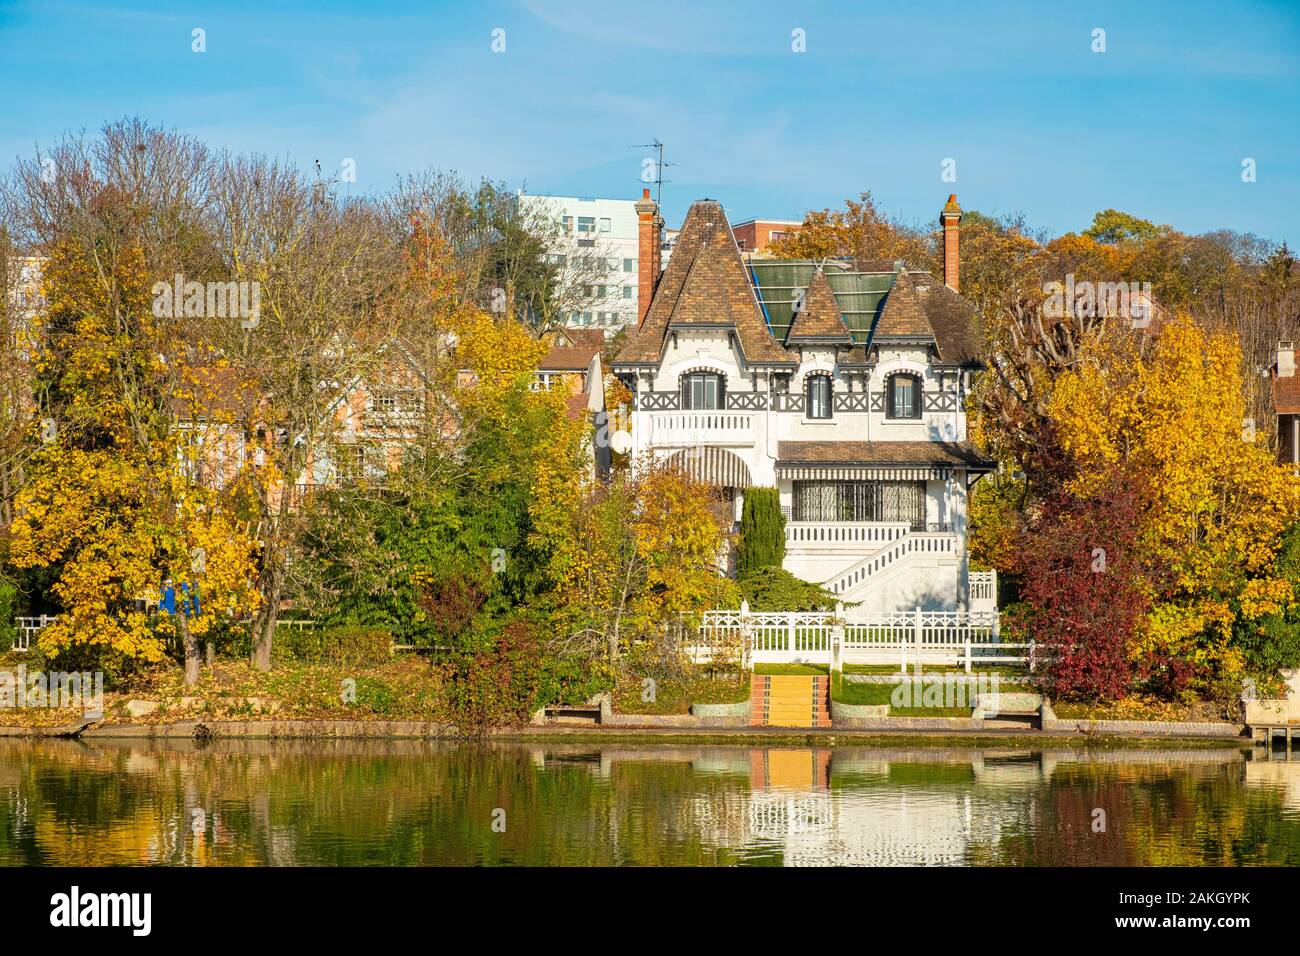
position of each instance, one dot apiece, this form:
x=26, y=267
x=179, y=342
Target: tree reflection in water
x=410, y=803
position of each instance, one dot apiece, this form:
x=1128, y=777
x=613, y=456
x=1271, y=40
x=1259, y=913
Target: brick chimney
x=649, y=251
x=1285, y=359
x=950, y=219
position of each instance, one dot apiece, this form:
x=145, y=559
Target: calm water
x=411, y=803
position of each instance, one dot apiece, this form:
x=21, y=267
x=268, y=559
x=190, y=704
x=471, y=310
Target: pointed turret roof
x=903, y=316
x=820, y=319
x=705, y=286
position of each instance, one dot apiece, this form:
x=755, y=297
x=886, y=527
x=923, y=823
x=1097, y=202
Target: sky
x=1036, y=119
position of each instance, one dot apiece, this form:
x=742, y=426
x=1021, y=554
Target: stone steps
x=780, y=700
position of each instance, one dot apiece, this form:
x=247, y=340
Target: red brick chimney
x=648, y=252
x=950, y=219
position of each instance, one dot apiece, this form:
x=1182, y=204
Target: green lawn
x=676, y=696
x=848, y=692
x=794, y=670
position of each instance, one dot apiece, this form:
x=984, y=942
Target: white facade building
x=602, y=235
x=842, y=384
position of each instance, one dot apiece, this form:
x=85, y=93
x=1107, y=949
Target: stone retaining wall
x=1147, y=728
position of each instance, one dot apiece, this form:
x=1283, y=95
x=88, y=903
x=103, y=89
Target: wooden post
x=917, y=629
x=968, y=654
x=1031, y=655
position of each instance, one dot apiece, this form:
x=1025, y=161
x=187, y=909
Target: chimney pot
x=1285, y=359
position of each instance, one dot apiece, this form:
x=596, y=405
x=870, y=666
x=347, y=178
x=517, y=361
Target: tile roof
x=963, y=454
x=572, y=359
x=1286, y=394
x=820, y=319
x=704, y=285
x=957, y=328
x=903, y=316
x=575, y=406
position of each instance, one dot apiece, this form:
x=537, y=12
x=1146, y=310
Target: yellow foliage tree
x=1169, y=415
x=109, y=506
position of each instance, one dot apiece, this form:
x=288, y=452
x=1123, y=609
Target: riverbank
x=407, y=698
x=898, y=729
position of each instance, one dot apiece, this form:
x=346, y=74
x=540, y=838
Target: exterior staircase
x=780, y=700
x=854, y=582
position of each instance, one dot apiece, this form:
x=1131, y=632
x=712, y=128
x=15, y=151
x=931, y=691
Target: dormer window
x=702, y=391
x=818, y=391
x=903, y=396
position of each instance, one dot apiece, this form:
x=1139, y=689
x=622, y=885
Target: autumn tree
x=1168, y=416
x=858, y=231
x=107, y=506
x=327, y=272
x=1084, y=586
x=648, y=546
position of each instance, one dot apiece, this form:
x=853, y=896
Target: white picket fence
x=964, y=638
x=29, y=627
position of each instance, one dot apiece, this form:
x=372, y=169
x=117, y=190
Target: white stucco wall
x=753, y=434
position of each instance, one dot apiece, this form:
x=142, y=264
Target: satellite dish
x=621, y=442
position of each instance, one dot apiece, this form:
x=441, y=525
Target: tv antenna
x=659, y=167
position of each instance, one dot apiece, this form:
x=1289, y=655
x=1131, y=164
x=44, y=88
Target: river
x=409, y=803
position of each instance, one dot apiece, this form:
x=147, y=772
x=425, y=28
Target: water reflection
x=414, y=803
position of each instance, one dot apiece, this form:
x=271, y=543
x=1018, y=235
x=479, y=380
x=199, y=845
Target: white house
x=840, y=383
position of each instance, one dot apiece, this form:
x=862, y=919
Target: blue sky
x=1038, y=123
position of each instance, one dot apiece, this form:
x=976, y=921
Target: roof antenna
x=659, y=168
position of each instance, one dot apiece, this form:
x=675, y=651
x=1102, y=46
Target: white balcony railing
x=852, y=535
x=692, y=428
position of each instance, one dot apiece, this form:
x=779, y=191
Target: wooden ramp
x=779, y=700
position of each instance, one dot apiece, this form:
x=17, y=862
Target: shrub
x=776, y=589
x=568, y=680
x=497, y=686
x=762, y=531
x=349, y=646
x=8, y=608
x=1082, y=585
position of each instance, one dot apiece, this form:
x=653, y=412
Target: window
x=774, y=236
x=627, y=292
x=558, y=259
x=894, y=501
x=611, y=263
x=351, y=463
x=586, y=224
x=385, y=403
x=604, y=225
x=702, y=391
x=586, y=318
x=629, y=265
x=903, y=396
x=568, y=224
x=818, y=388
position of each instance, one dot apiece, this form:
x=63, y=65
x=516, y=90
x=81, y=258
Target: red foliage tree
x=1082, y=582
